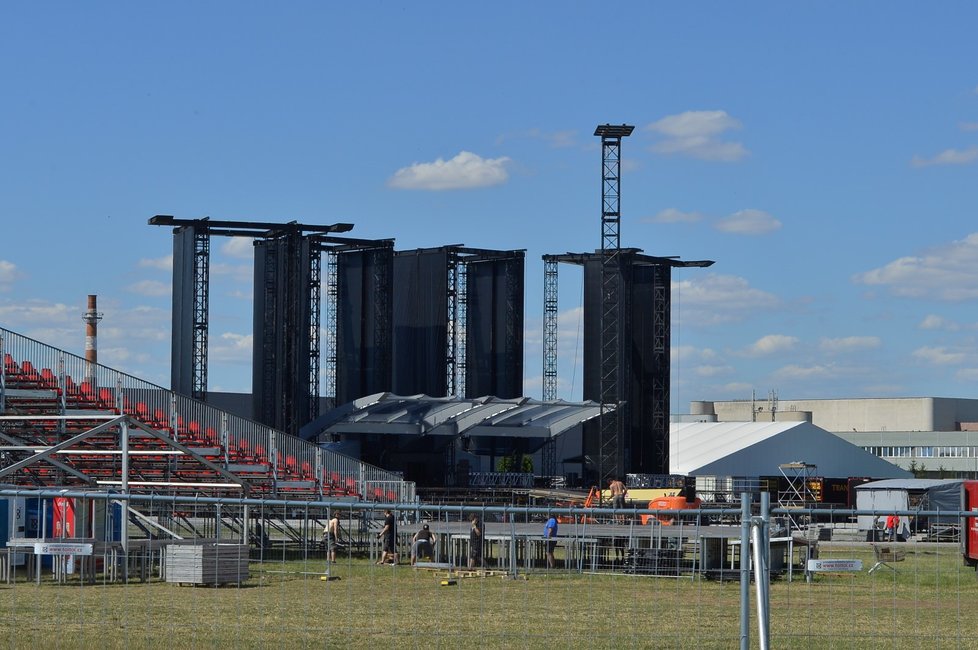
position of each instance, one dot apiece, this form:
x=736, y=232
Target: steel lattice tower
x=202, y=256
x=549, y=328
x=332, y=295
x=315, y=332
x=611, y=456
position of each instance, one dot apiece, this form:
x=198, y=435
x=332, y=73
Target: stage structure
x=360, y=300
x=645, y=314
x=287, y=311
x=618, y=291
x=458, y=322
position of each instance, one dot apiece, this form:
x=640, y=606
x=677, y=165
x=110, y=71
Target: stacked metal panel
x=206, y=564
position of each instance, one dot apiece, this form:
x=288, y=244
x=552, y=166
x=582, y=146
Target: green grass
x=927, y=603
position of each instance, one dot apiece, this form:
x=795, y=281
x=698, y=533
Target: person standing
x=423, y=544
x=389, y=536
x=618, y=492
x=476, y=540
x=550, y=535
x=892, y=525
x=331, y=535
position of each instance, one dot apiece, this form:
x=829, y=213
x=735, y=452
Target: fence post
x=744, y=571
x=762, y=570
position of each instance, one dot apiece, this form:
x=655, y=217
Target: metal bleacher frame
x=66, y=422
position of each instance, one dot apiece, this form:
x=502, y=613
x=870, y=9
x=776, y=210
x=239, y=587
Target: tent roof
x=908, y=484
x=760, y=448
x=388, y=413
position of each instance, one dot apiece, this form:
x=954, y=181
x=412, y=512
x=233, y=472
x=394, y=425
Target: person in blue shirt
x=550, y=533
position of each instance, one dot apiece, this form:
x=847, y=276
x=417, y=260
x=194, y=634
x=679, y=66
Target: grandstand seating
x=51, y=403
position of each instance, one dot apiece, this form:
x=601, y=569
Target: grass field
x=927, y=603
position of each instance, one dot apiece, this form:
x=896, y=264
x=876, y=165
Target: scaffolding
x=797, y=493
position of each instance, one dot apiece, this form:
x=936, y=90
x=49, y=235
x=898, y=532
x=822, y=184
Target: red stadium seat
x=48, y=378
x=28, y=370
x=106, y=398
x=160, y=419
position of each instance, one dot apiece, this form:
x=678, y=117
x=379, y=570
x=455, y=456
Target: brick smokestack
x=91, y=318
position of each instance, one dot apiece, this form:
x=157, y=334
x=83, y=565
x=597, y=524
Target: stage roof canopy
x=421, y=415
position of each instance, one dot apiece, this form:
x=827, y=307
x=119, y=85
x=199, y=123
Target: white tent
x=888, y=496
x=759, y=448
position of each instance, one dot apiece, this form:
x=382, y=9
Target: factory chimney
x=91, y=318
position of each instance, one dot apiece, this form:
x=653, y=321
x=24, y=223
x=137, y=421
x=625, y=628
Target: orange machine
x=669, y=503
x=592, y=496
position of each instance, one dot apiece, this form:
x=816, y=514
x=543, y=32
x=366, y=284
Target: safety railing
x=76, y=385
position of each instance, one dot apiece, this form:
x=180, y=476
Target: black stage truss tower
x=458, y=322
x=645, y=335
x=612, y=455
x=627, y=287
x=288, y=286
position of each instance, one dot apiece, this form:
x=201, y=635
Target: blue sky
x=824, y=154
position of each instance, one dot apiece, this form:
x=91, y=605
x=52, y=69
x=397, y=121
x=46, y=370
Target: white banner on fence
x=835, y=565
x=61, y=548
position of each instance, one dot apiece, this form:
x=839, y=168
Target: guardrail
x=82, y=384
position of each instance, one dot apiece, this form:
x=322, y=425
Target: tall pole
x=611, y=448
x=91, y=319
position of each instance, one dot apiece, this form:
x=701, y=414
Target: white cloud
x=150, y=288
x=948, y=273
x=939, y=356
x=934, y=322
x=465, y=171
x=748, y=222
x=242, y=248
x=948, y=157
x=849, y=344
x=695, y=134
x=795, y=372
x=707, y=372
x=737, y=388
x=8, y=273
x=555, y=139
x=688, y=354
x=37, y=312
x=672, y=215
x=238, y=272
x=692, y=124
x=771, y=344
x=231, y=348
x=164, y=263
x=718, y=299
x=967, y=374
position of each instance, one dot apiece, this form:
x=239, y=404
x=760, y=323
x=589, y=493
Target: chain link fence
x=93, y=569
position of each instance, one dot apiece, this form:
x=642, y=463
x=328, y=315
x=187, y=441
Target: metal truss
x=315, y=331
x=549, y=328
x=611, y=455
x=202, y=256
x=661, y=287
x=332, y=298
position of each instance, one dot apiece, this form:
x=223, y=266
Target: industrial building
x=933, y=437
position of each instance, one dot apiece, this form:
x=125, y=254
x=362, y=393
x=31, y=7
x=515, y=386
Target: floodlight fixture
x=614, y=130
